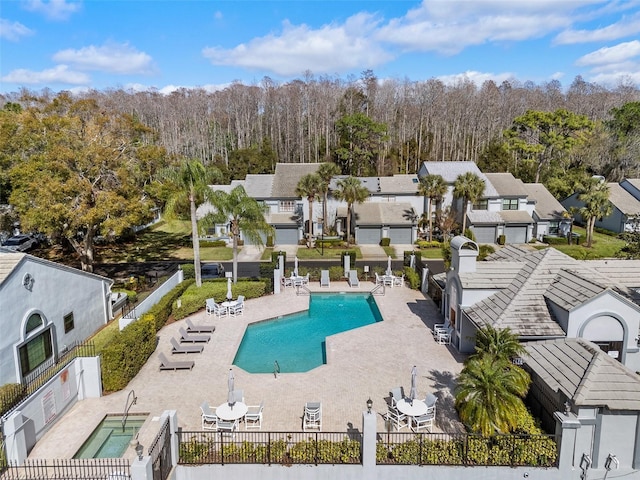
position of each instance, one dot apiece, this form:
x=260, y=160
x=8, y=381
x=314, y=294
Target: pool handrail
x=127, y=406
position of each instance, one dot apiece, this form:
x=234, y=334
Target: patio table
x=230, y=413
x=415, y=409
x=228, y=305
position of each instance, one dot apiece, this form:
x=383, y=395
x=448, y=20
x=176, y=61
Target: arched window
x=39, y=347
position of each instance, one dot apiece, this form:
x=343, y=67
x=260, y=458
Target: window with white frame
x=287, y=205
x=39, y=346
x=510, y=204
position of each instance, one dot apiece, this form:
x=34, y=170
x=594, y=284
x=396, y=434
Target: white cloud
x=53, y=9
x=476, y=77
x=628, y=26
x=448, y=27
x=120, y=59
x=329, y=49
x=13, y=31
x=611, y=55
x=58, y=74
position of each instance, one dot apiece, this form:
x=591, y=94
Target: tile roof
x=507, y=185
x=490, y=275
x=8, y=261
x=287, y=176
x=451, y=170
x=546, y=205
x=384, y=213
x=281, y=218
x=515, y=216
x=584, y=373
x=484, y=216
x=623, y=200
x=370, y=183
x=570, y=289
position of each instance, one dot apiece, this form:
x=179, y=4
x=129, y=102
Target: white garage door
x=515, y=234
x=484, y=234
x=368, y=236
x=286, y=236
x=400, y=236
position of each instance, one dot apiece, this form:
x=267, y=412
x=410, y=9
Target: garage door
x=368, y=236
x=400, y=236
x=286, y=236
x=484, y=234
x=516, y=234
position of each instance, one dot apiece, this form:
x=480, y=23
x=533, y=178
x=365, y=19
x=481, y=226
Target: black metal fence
x=69, y=469
x=284, y=448
x=13, y=395
x=464, y=449
x=160, y=453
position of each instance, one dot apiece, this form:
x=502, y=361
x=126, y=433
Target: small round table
x=418, y=408
x=226, y=412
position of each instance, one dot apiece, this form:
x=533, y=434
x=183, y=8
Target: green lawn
x=603, y=246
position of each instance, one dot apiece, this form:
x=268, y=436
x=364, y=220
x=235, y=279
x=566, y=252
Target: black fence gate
x=160, y=453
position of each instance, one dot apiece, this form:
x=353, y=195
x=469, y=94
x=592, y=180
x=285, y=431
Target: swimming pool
x=297, y=342
x=109, y=440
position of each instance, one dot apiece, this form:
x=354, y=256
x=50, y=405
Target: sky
x=169, y=44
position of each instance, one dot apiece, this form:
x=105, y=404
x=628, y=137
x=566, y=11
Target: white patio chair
x=238, y=308
x=238, y=396
x=379, y=279
x=430, y=401
x=444, y=338
x=209, y=418
x=397, y=394
x=227, y=427
x=305, y=279
x=253, y=417
x=423, y=422
x=398, y=281
x=312, y=416
x=210, y=304
x=324, y=278
x=396, y=417
x=287, y=282
x=441, y=327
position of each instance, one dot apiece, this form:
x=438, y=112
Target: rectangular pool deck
x=362, y=363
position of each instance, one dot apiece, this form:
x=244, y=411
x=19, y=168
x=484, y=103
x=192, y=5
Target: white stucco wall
x=56, y=292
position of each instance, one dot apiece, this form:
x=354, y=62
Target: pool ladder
x=276, y=368
x=127, y=406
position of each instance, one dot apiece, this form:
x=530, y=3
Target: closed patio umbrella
x=295, y=267
x=229, y=293
x=230, y=382
x=414, y=374
x=389, y=266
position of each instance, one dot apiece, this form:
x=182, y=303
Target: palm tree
x=310, y=186
x=469, y=187
x=433, y=188
x=595, y=196
x=489, y=394
x=499, y=342
x=190, y=182
x=245, y=215
x=350, y=190
x=327, y=171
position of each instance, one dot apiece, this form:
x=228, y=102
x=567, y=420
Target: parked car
x=21, y=243
x=211, y=270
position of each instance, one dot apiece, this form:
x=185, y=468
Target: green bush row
x=193, y=298
x=554, y=240
x=124, y=356
x=424, y=244
x=213, y=243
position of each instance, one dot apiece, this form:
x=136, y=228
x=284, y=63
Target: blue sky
x=167, y=44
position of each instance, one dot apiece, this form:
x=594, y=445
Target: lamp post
x=322, y=239
x=369, y=405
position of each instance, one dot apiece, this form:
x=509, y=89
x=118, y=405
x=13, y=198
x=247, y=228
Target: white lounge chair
x=312, y=416
x=353, y=278
x=209, y=418
x=192, y=328
x=253, y=417
x=165, y=364
x=324, y=278
x=177, y=348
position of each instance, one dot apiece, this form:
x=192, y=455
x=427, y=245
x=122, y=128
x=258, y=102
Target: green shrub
x=336, y=273
x=554, y=240
x=123, y=358
x=424, y=244
x=213, y=243
x=485, y=250
x=269, y=242
x=407, y=257
x=502, y=239
x=469, y=234
x=411, y=278
x=188, y=270
x=10, y=394
x=385, y=242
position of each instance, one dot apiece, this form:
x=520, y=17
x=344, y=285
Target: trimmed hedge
x=427, y=244
x=411, y=278
x=213, y=243
x=555, y=240
x=385, y=242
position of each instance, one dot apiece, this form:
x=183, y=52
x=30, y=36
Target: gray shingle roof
x=584, y=373
x=507, y=185
x=384, y=213
x=515, y=216
x=404, y=184
x=477, y=217
x=259, y=186
x=287, y=176
x=490, y=275
x=451, y=170
x=570, y=289
x=623, y=200
x=546, y=206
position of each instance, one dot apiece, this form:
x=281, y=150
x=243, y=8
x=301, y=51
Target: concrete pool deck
x=362, y=363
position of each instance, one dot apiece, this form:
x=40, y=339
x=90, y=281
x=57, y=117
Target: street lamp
x=369, y=405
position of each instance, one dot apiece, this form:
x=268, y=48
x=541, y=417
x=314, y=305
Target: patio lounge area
x=361, y=364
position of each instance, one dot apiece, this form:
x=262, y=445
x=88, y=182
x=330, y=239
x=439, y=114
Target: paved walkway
x=362, y=363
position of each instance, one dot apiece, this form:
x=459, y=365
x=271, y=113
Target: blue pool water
x=109, y=440
x=297, y=342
